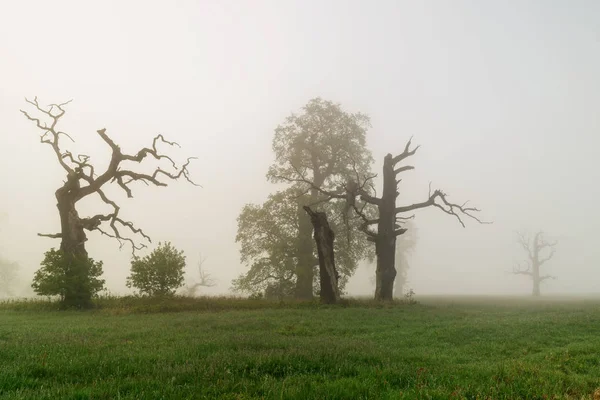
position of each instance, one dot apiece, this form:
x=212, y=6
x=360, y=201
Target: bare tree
x=205, y=280
x=390, y=217
x=83, y=181
x=534, y=249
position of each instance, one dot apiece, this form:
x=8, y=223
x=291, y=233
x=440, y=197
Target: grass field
x=441, y=348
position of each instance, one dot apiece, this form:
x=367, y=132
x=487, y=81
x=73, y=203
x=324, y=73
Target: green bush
x=160, y=273
x=74, y=279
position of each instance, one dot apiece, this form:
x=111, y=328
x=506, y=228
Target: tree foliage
x=324, y=144
x=269, y=235
x=160, y=273
x=74, y=279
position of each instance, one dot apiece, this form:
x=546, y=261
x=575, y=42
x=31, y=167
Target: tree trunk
x=305, y=267
x=77, y=292
x=535, y=275
x=535, y=268
x=324, y=237
x=385, y=245
x=536, y=287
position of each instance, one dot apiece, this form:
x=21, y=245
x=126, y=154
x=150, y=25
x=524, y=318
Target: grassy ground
x=238, y=349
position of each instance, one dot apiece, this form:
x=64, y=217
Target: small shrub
x=160, y=273
x=410, y=297
x=74, y=279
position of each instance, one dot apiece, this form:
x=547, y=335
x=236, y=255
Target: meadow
x=220, y=348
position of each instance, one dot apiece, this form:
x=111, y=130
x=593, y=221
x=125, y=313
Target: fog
x=503, y=98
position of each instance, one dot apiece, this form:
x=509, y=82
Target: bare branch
x=402, y=169
x=406, y=153
x=51, y=235
x=525, y=243
x=400, y=231
x=302, y=179
x=50, y=135
x=543, y=278
x=542, y=261
x=444, y=205
x=364, y=227
x=364, y=196
x=518, y=269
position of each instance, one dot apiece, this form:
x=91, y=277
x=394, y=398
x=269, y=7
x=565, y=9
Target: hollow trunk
x=305, y=267
x=324, y=238
x=76, y=291
x=385, y=245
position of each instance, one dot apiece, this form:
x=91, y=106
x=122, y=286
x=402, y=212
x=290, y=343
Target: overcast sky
x=503, y=97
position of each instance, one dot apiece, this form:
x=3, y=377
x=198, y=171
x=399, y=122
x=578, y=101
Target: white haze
x=502, y=96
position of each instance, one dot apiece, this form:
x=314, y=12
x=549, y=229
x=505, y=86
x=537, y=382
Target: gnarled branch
x=449, y=208
x=79, y=169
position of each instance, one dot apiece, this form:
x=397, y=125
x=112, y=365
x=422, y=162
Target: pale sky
x=503, y=97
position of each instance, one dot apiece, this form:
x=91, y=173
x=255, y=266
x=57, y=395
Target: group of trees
x=321, y=155
x=69, y=272
x=321, y=158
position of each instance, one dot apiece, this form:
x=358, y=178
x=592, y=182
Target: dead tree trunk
x=80, y=171
x=324, y=237
x=390, y=217
x=534, y=259
x=385, y=244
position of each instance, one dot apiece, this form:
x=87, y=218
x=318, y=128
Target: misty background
x=503, y=98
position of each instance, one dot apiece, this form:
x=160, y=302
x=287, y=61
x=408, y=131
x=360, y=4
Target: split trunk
x=324, y=238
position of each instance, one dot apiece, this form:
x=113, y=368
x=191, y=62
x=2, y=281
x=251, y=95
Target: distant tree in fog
x=204, y=280
x=82, y=180
x=539, y=251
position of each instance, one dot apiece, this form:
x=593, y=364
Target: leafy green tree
x=270, y=240
x=75, y=279
x=319, y=149
x=160, y=273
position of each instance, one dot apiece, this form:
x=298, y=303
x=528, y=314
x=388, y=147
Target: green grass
x=240, y=349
